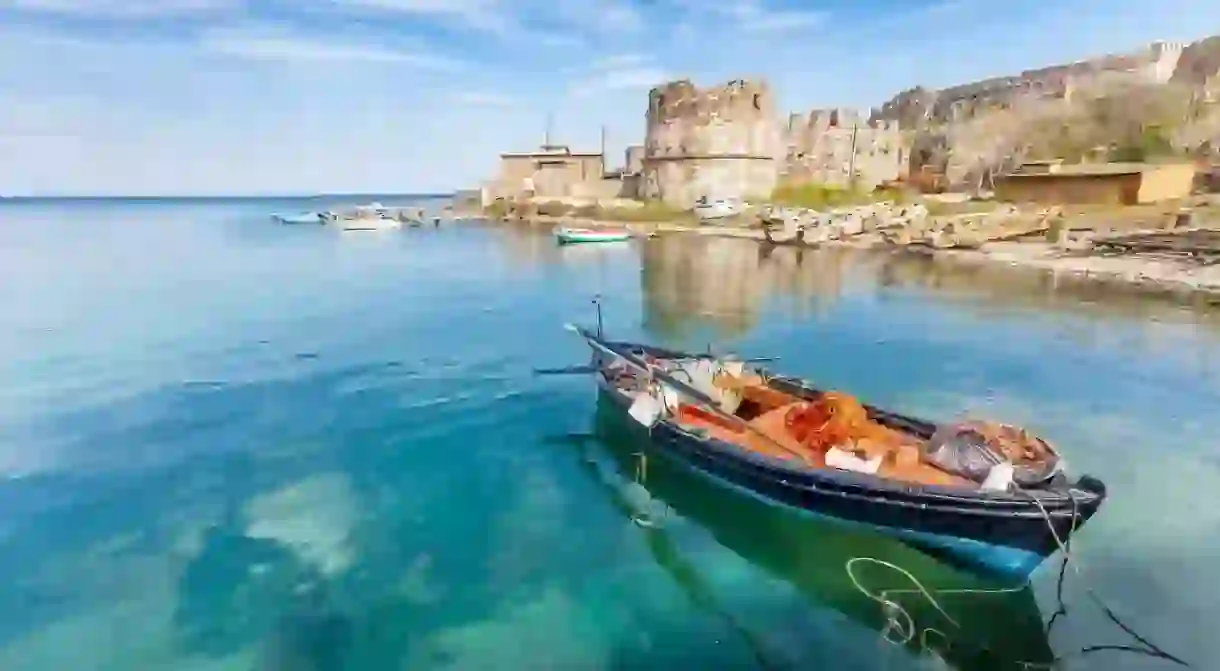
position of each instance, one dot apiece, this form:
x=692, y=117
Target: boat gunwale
x=1060, y=500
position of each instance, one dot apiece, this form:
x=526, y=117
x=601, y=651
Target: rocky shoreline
x=1047, y=240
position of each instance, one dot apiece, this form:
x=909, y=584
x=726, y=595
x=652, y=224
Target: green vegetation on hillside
x=648, y=211
x=1133, y=123
x=817, y=196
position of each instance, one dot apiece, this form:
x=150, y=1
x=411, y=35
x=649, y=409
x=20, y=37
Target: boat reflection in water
x=695, y=282
x=998, y=628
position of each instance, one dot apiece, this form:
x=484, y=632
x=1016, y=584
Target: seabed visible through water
x=230, y=445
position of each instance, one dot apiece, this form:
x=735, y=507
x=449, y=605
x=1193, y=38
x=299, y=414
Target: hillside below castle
x=1161, y=98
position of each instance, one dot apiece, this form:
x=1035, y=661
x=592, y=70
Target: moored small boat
x=566, y=235
x=369, y=223
x=989, y=498
x=711, y=210
x=299, y=218
x=1003, y=630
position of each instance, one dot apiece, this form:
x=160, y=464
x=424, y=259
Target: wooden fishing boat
x=567, y=236
x=786, y=442
x=1002, y=630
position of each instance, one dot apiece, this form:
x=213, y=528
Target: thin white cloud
x=485, y=15
x=482, y=99
x=120, y=9
x=634, y=78
x=742, y=16
x=275, y=47
x=753, y=16
x=618, y=61
x=511, y=18
x=602, y=16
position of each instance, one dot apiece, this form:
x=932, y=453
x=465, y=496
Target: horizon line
x=337, y=194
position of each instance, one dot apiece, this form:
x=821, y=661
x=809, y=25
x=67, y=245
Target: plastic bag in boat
x=971, y=449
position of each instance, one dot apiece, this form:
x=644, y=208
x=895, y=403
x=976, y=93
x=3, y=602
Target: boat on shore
x=300, y=218
x=711, y=210
x=567, y=235
x=987, y=498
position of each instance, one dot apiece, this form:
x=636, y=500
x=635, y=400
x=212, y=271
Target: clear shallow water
x=226, y=444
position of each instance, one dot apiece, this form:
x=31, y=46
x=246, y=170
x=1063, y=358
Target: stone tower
x=1165, y=58
x=719, y=142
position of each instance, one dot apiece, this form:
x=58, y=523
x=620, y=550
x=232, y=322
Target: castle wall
x=1155, y=63
x=634, y=163
x=829, y=145
x=719, y=142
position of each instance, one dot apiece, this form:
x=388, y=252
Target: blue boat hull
x=303, y=218
x=999, y=535
x=1006, y=563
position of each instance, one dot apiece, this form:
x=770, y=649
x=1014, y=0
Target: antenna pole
x=603, y=149
x=597, y=301
x=550, y=121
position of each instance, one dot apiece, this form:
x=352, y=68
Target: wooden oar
x=586, y=369
x=682, y=388
x=567, y=370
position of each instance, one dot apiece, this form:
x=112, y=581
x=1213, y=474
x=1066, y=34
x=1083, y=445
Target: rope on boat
x=645, y=519
x=901, y=620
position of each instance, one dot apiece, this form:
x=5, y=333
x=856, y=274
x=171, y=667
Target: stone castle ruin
x=727, y=141
x=839, y=147
x=718, y=142
x=919, y=106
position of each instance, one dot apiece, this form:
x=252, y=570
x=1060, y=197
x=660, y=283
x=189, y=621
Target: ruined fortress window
x=758, y=101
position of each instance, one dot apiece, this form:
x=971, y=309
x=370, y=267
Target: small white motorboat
x=378, y=223
x=708, y=209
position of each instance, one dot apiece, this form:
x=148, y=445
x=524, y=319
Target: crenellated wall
x=1155, y=63
x=721, y=141
x=833, y=146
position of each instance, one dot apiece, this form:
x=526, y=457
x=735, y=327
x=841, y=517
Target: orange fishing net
x=835, y=419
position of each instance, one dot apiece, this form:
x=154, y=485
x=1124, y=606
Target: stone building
x=719, y=142
x=554, y=171
x=1051, y=183
x=838, y=146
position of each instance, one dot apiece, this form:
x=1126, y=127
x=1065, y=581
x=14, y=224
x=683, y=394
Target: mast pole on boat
x=597, y=301
x=604, y=348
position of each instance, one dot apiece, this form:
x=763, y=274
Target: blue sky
x=281, y=96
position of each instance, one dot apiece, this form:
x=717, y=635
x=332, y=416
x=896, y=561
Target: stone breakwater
x=904, y=224
x=1064, y=242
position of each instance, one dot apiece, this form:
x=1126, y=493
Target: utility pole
x=603, y=149
x=851, y=161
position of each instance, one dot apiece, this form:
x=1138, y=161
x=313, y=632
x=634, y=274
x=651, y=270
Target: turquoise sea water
x=228, y=444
